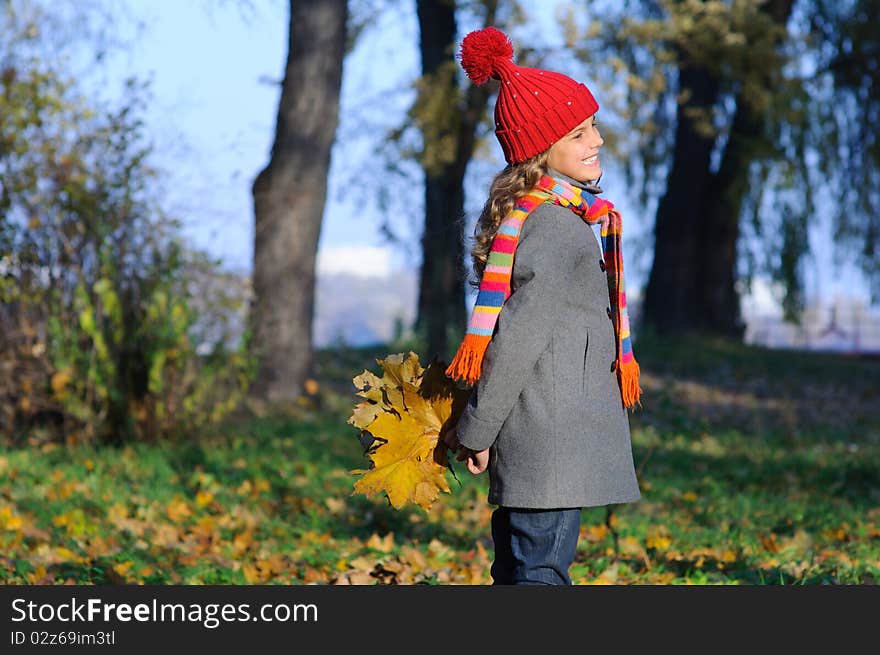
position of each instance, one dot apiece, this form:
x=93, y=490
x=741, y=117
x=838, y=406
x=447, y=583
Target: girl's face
x=577, y=153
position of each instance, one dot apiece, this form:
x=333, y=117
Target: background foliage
x=106, y=333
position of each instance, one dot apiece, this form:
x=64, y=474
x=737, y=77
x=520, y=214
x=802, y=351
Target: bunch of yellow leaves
x=401, y=420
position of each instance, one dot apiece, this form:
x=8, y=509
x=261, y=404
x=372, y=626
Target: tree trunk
x=720, y=230
x=289, y=196
x=671, y=302
x=441, y=310
x=692, y=285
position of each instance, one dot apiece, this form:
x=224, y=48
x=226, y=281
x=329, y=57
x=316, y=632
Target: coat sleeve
x=543, y=265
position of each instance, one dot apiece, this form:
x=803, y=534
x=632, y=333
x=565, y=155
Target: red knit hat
x=535, y=108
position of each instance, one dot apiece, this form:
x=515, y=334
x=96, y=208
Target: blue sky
x=214, y=69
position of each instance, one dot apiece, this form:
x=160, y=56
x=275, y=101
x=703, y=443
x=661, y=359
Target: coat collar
x=587, y=186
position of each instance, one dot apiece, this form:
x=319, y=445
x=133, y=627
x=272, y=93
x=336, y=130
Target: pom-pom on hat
x=535, y=108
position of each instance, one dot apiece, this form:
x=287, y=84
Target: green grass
x=756, y=467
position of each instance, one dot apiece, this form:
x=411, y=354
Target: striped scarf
x=495, y=285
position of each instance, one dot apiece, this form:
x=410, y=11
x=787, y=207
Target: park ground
x=756, y=467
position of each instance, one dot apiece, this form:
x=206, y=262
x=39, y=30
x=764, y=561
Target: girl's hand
x=476, y=461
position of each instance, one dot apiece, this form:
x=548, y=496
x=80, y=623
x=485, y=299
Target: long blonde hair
x=514, y=181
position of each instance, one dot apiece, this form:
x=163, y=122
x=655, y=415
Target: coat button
x=613, y=366
x=608, y=311
x=602, y=265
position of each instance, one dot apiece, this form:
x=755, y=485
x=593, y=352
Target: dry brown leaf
x=242, y=542
x=311, y=574
x=769, y=542
x=177, y=510
x=414, y=556
x=355, y=578
x=384, y=544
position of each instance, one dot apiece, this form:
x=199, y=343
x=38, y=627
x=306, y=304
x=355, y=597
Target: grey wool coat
x=547, y=403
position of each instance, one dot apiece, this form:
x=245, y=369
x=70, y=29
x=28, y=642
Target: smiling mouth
x=590, y=161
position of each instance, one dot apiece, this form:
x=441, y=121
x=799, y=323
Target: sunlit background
x=214, y=69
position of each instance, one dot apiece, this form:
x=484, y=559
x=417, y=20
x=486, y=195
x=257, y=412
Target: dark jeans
x=534, y=546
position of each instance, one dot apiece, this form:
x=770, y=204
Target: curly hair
x=511, y=183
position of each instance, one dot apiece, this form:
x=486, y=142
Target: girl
x=547, y=347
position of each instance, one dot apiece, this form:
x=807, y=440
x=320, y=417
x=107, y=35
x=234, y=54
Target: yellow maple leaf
x=728, y=556
x=365, y=413
x=123, y=568
x=204, y=498
x=594, y=533
x=404, y=412
x=658, y=538
x=63, y=554
x=38, y=574
x=404, y=467
x=252, y=574
x=242, y=541
x=9, y=520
